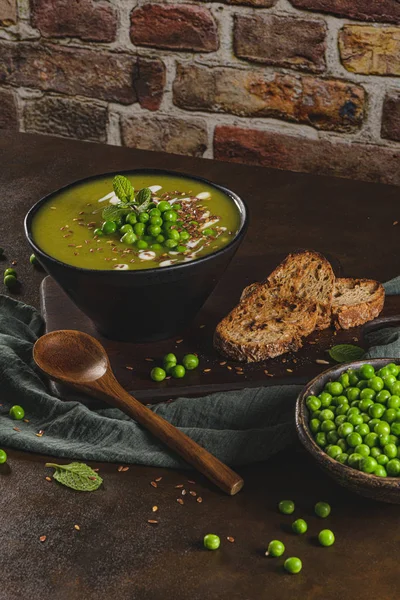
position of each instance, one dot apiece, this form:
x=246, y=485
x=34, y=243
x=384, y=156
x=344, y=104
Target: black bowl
x=144, y=305
x=383, y=489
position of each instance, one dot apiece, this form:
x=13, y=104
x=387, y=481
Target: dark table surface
x=116, y=552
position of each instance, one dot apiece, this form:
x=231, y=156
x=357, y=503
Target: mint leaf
x=346, y=353
x=123, y=188
x=77, y=476
x=113, y=212
x=143, y=199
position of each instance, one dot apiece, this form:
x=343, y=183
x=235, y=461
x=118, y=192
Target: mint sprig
x=346, y=353
x=123, y=188
x=77, y=476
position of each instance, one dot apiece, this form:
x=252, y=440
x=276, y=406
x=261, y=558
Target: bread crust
x=348, y=316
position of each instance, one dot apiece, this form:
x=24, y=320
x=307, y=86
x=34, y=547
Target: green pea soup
x=201, y=220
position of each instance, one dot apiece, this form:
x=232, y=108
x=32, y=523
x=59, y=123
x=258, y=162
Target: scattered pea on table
x=211, y=541
x=275, y=549
x=326, y=537
x=293, y=565
x=286, y=507
x=17, y=412
x=299, y=526
x=3, y=457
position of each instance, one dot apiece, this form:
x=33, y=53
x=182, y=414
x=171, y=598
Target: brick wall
x=306, y=85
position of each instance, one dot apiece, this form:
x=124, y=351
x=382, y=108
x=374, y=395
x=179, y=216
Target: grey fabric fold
x=238, y=427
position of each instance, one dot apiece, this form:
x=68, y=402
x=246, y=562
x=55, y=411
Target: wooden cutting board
x=132, y=362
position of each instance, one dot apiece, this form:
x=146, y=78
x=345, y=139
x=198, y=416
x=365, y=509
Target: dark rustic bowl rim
x=307, y=439
x=238, y=201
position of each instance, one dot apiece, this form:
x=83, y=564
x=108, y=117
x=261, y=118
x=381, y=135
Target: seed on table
x=191, y=481
x=206, y=370
x=199, y=499
x=119, y=469
x=230, y=539
x=155, y=508
x=129, y=368
x=153, y=483
x=223, y=363
x=77, y=527
x=48, y=478
x=124, y=469
x=40, y=433
x=16, y=429
x=152, y=521
x=179, y=486
x=321, y=361
x=180, y=501
x=192, y=493
x=158, y=479
x=43, y=538
x=183, y=492
x=149, y=359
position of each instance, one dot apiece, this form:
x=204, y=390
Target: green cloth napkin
x=238, y=427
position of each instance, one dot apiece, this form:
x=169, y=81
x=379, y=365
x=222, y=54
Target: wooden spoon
x=79, y=360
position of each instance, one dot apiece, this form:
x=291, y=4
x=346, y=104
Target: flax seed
x=179, y=341
x=153, y=483
x=125, y=469
x=192, y=482
x=16, y=429
x=129, y=368
x=199, y=499
x=321, y=361
x=192, y=493
x=183, y=492
x=40, y=433
x=289, y=370
x=120, y=469
x=230, y=539
x=229, y=367
x=43, y=538
x=155, y=508
x=201, y=326
x=158, y=479
x=48, y=478
x=149, y=359
x=206, y=370
x=223, y=363
x=152, y=521
x=395, y=222
x=77, y=527
x=26, y=420
x=179, y=501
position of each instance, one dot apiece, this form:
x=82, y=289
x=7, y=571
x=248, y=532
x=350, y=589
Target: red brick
x=329, y=104
x=149, y=82
x=89, y=20
x=8, y=12
x=76, y=71
x=167, y=134
x=67, y=118
x=370, y=49
x=8, y=110
x=391, y=116
x=364, y=10
x=281, y=41
x=322, y=157
x=176, y=27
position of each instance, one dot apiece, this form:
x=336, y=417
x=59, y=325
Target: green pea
x=173, y=234
x=366, y=371
x=163, y=206
x=154, y=230
x=170, y=216
x=376, y=384
x=394, y=369
x=326, y=537
x=363, y=429
x=375, y=452
x=109, y=227
x=389, y=415
x=126, y=228
x=340, y=419
x=275, y=549
x=354, y=460
x=98, y=232
x=393, y=467
x=344, y=379
x=141, y=245
x=389, y=380
x=334, y=388
x=342, y=444
x=380, y=471
x=131, y=219
x=384, y=372
x=376, y=410
x=394, y=402
x=299, y=526
x=393, y=439
x=10, y=281
x=327, y=426
x=160, y=239
x=345, y=429
x=320, y=439
x=315, y=425
x=293, y=565
x=316, y=414
x=139, y=228
x=352, y=393
x=334, y=450
x=342, y=409
x=190, y=362
x=286, y=507
x=3, y=457
x=395, y=428
x=181, y=248
x=143, y=217
x=185, y=236
x=362, y=384
x=363, y=449
x=158, y=374
x=353, y=377
x=17, y=412
x=325, y=399
x=168, y=366
x=384, y=439
x=355, y=420
x=382, y=428
x=178, y=371
x=155, y=212
x=354, y=410
x=367, y=393
x=170, y=244
x=211, y=541
x=395, y=389
x=326, y=415
x=129, y=238
x=366, y=417
x=10, y=271
x=383, y=396
x=156, y=221
x=339, y=400
x=381, y=459
x=371, y=439
x=33, y=260
x=208, y=232
x=332, y=436
x=373, y=422
x=354, y=439
x=343, y=458
x=368, y=464
x=390, y=450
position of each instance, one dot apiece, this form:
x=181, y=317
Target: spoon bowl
x=80, y=361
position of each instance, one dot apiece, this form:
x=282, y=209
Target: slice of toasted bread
x=356, y=301
x=273, y=317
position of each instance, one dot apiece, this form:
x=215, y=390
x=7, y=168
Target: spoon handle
x=219, y=473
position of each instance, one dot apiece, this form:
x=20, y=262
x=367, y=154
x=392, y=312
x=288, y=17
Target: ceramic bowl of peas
x=348, y=418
